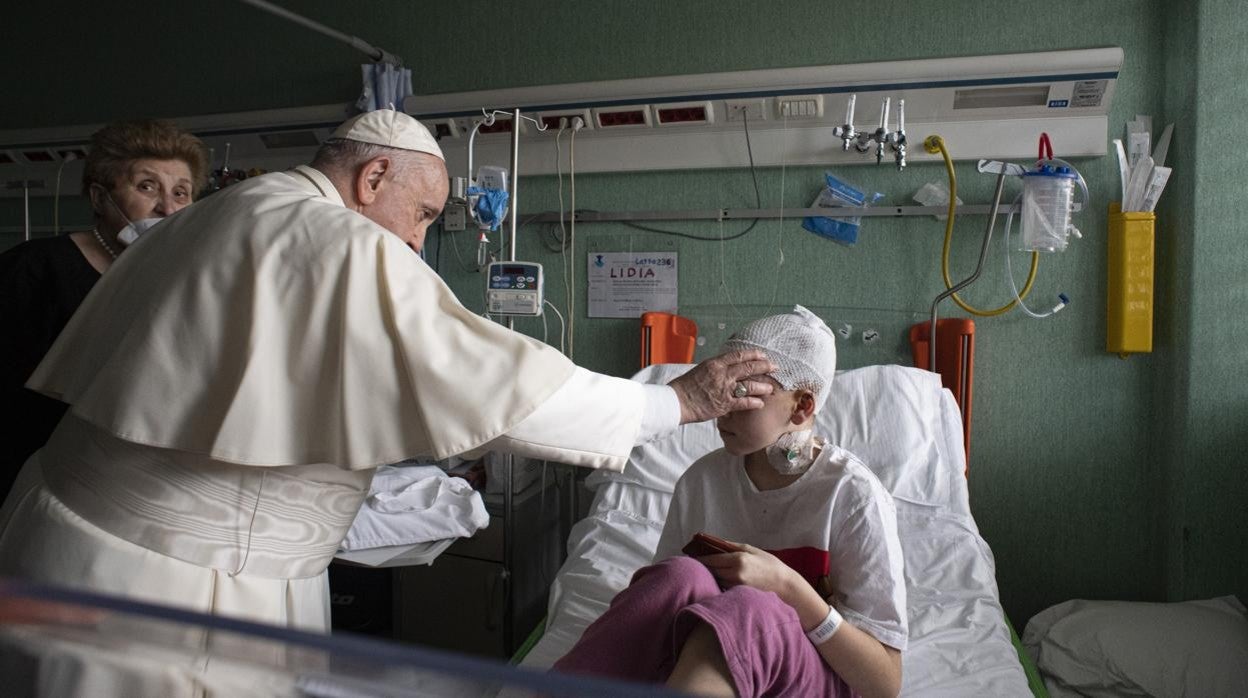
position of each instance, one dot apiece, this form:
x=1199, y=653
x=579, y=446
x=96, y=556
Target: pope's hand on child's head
x=723, y=384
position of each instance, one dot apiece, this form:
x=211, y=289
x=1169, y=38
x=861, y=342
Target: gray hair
x=345, y=156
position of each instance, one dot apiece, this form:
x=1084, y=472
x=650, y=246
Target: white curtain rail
x=377, y=54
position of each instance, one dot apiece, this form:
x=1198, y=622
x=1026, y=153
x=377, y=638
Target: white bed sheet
x=959, y=642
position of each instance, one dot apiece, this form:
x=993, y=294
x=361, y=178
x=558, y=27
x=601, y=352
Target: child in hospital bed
x=810, y=598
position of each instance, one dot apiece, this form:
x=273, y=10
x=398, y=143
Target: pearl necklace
x=103, y=244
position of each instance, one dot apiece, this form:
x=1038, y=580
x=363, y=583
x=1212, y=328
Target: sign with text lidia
x=627, y=284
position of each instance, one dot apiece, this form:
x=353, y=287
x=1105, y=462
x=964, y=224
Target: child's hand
x=753, y=567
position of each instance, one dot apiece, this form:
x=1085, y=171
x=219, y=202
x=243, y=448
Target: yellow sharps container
x=1129, y=319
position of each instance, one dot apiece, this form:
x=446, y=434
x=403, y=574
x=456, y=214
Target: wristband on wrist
x=824, y=631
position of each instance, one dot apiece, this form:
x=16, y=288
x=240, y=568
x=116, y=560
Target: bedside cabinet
x=467, y=600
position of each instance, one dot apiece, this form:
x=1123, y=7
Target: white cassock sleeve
x=577, y=407
x=662, y=415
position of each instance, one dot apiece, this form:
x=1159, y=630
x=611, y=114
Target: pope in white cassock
x=235, y=383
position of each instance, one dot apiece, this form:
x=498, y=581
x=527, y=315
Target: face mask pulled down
x=131, y=232
x=134, y=229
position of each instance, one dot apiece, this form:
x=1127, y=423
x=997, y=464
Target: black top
x=42, y=283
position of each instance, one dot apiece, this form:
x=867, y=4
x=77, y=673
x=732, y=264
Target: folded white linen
x=415, y=504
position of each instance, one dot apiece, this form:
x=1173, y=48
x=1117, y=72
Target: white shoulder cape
x=270, y=325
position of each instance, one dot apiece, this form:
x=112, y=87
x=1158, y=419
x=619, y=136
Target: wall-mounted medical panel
x=983, y=106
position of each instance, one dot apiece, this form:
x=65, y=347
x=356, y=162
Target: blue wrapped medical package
x=836, y=193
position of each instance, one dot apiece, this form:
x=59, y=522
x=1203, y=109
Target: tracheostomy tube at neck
x=794, y=452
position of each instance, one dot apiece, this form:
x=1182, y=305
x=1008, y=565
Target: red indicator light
x=677, y=115
x=621, y=118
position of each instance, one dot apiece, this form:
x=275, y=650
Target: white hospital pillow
x=1114, y=648
x=898, y=420
x=904, y=426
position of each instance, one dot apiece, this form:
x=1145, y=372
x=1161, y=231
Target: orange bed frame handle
x=955, y=361
x=667, y=339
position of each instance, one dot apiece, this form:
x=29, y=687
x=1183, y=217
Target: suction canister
x=1048, y=194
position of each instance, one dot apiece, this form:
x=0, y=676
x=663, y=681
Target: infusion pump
x=514, y=288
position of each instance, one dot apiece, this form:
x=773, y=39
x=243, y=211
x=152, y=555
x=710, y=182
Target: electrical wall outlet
x=454, y=218
x=799, y=107
x=552, y=119
x=737, y=109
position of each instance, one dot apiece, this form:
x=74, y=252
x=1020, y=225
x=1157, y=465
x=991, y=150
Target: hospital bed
x=908, y=429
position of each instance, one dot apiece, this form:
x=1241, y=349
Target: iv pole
x=509, y=460
x=25, y=185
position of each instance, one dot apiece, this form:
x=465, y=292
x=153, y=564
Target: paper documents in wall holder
x=1143, y=176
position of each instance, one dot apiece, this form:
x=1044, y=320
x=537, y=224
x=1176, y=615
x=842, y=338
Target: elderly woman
x=136, y=172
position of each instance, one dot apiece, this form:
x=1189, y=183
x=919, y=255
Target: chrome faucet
x=898, y=138
x=883, y=138
x=846, y=133
x=881, y=135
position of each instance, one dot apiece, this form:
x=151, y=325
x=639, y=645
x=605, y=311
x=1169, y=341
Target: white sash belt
x=279, y=522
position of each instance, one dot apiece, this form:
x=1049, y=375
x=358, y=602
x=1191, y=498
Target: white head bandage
x=389, y=128
x=801, y=346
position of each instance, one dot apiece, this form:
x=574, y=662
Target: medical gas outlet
x=514, y=288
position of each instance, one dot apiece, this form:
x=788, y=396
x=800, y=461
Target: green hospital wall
x=1173, y=388
x=1085, y=470
x=1207, y=530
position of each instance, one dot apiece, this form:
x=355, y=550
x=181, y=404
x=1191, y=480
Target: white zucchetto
x=389, y=128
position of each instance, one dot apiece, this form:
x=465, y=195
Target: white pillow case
x=903, y=425
x=897, y=419
x=1117, y=648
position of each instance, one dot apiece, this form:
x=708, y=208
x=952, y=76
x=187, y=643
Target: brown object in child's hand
x=706, y=544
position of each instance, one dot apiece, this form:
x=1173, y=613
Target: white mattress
x=959, y=642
